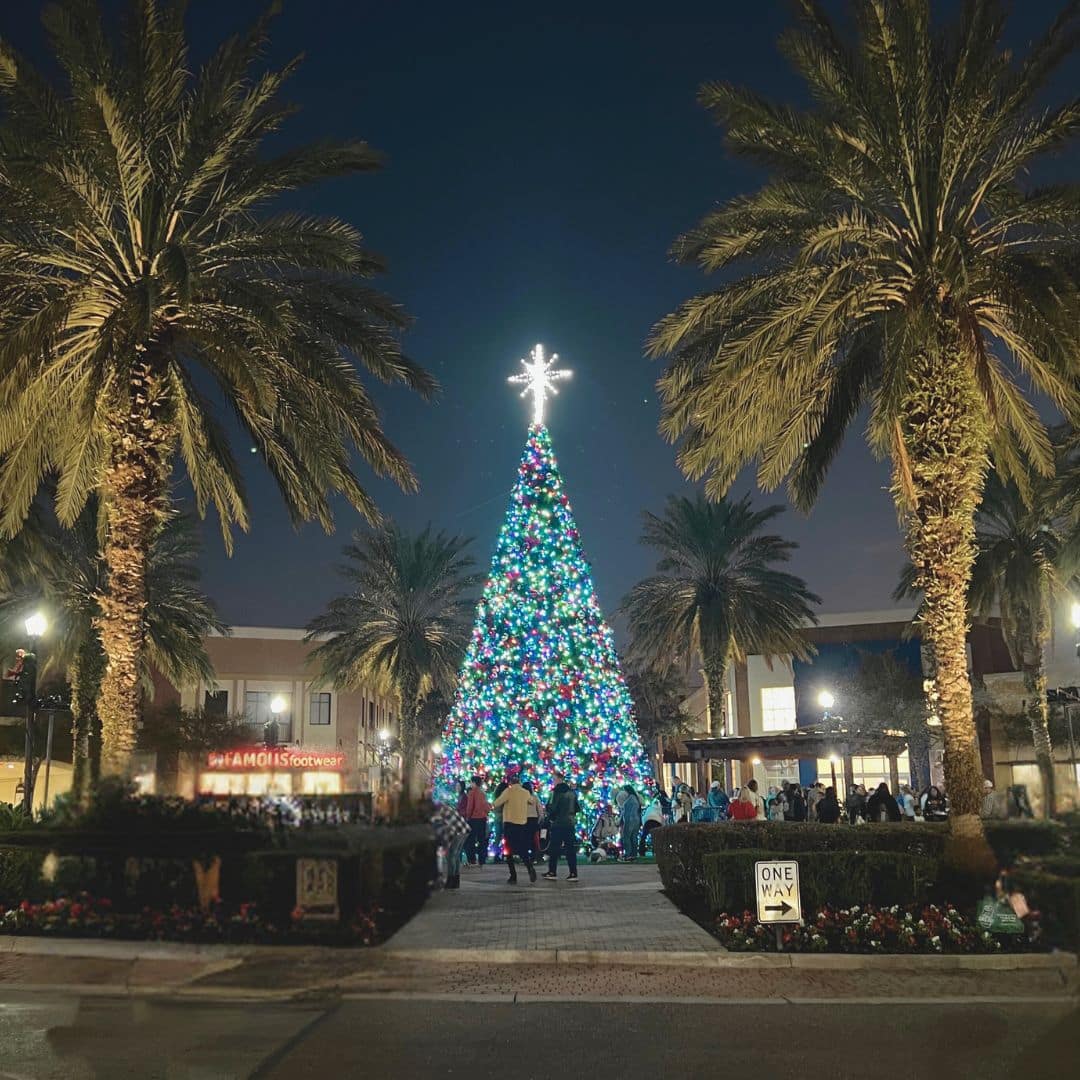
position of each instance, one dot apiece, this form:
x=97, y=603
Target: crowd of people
x=815, y=802
x=512, y=823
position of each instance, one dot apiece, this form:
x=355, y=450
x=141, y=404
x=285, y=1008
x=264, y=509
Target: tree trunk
x=410, y=711
x=1038, y=712
x=85, y=675
x=134, y=489
x=939, y=474
x=715, y=673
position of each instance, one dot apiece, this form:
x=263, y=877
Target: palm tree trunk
x=84, y=674
x=715, y=673
x=1038, y=713
x=939, y=471
x=410, y=710
x=134, y=489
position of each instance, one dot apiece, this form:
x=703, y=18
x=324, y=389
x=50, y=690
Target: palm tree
x=658, y=694
x=896, y=261
x=142, y=279
x=63, y=571
x=404, y=624
x=717, y=592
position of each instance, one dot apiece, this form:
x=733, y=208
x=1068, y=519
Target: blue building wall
x=834, y=663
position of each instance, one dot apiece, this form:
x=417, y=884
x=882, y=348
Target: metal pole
x=28, y=762
x=1072, y=746
x=48, y=760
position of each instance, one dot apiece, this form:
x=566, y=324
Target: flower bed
x=95, y=917
x=913, y=930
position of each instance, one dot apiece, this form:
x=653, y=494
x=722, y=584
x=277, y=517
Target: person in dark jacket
x=562, y=811
x=828, y=808
x=881, y=806
x=856, y=804
x=796, y=804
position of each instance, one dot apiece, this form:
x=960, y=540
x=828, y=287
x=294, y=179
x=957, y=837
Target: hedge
x=680, y=849
x=826, y=878
x=385, y=867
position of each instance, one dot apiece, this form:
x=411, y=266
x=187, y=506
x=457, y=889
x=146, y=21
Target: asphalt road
x=74, y=1039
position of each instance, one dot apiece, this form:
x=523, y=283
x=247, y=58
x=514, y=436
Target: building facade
x=766, y=698
x=327, y=738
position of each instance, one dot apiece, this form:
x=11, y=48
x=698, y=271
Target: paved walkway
x=612, y=908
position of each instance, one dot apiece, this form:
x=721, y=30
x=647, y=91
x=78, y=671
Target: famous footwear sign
x=278, y=757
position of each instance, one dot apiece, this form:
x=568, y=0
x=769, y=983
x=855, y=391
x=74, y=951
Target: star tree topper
x=539, y=378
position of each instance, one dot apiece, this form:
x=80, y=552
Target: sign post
x=776, y=887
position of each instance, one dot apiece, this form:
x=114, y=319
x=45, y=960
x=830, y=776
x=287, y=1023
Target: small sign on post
x=776, y=884
x=317, y=888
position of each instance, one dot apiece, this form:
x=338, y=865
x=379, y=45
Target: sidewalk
x=612, y=909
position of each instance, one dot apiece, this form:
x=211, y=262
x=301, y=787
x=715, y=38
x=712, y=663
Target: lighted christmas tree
x=540, y=688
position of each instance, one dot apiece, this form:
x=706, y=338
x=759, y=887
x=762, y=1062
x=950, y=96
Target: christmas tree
x=540, y=688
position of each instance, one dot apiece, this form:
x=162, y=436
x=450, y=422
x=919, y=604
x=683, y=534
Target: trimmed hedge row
x=681, y=849
x=826, y=878
x=389, y=868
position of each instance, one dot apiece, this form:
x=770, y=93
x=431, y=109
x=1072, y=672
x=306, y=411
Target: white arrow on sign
x=776, y=886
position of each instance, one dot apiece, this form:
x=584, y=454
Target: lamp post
x=1075, y=613
x=826, y=700
x=35, y=626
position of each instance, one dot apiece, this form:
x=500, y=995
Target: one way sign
x=776, y=884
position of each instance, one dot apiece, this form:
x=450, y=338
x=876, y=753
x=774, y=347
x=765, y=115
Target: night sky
x=541, y=160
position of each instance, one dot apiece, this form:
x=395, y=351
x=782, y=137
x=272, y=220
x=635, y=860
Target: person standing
x=744, y=808
x=759, y=801
x=451, y=832
x=654, y=819
x=630, y=822
x=856, y=804
x=718, y=802
x=796, y=804
x=906, y=801
x=881, y=806
x=828, y=807
x=535, y=810
x=562, y=809
x=500, y=840
x=813, y=797
x=476, y=814
x=514, y=803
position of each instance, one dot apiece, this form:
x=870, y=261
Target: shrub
x=681, y=848
x=826, y=878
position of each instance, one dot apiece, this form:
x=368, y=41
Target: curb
x=1056, y=961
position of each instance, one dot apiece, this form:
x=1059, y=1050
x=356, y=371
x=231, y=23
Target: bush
x=1057, y=899
x=680, y=849
x=826, y=878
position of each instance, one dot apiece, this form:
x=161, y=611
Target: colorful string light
x=540, y=689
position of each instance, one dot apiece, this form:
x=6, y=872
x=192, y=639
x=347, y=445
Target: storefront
x=263, y=770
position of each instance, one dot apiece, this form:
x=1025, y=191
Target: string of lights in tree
x=540, y=688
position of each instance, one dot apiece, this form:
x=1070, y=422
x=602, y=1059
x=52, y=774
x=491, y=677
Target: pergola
x=811, y=743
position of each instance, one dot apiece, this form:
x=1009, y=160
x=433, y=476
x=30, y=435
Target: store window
x=867, y=769
x=257, y=713
x=777, y=708
x=216, y=703
x=776, y=772
x=320, y=709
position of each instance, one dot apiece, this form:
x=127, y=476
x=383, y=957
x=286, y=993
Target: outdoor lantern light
x=436, y=748
x=277, y=705
x=384, y=735
x=755, y=761
x=834, y=759
x=36, y=625
x=826, y=700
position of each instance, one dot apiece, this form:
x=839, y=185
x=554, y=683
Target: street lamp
x=36, y=625
x=436, y=748
x=826, y=700
x=272, y=730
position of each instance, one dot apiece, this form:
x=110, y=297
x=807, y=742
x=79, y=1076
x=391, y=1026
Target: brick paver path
x=610, y=908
